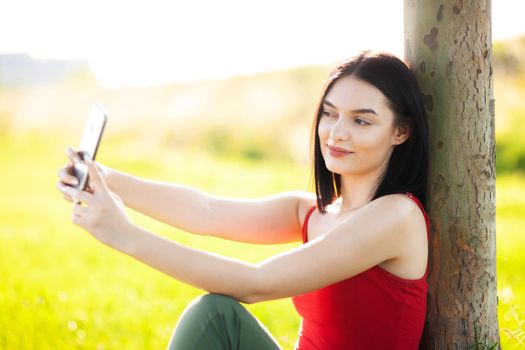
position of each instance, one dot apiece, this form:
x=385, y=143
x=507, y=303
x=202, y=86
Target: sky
x=139, y=42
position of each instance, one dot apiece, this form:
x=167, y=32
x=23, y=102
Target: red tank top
x=372, y=310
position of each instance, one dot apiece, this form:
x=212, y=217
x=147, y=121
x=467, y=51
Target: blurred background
x=217, y=95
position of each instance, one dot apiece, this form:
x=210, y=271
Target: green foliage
x=510, y=154
x=510, y=145
x=246, y=143
x=509, y=55
x=509, y=77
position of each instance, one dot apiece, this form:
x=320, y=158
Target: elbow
x=254, y=297
x=248, y=299
x=260, y=288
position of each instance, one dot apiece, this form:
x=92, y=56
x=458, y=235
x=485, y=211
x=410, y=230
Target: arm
x=335, y=256
x=269, y=220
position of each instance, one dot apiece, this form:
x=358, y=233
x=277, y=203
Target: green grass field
x=61, y=289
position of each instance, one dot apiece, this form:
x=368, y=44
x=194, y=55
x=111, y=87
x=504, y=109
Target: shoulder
x=305, y=201
x=392, y=215
x=397, y=201
x=401, y=210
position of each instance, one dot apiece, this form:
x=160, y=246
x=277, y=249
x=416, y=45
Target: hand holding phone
x=89, y=144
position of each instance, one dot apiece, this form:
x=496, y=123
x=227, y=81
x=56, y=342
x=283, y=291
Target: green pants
x=215, y=321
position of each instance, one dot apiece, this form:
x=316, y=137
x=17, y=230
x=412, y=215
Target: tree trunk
x=448, y=45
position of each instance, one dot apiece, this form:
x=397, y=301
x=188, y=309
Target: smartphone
x=89, y=143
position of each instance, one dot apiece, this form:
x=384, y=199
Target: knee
x=213, y=298
x=216, y=309
x=214, y=302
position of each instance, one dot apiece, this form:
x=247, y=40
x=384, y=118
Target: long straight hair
x=407, y=167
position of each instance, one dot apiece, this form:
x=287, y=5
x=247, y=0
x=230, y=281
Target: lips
x=338, y=151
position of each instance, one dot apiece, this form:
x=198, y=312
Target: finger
x=72, y=155
x=66, y=177
x=88, y=188
x=66, y=196
x=95, y=177
x=62, y=188
x=75, y=194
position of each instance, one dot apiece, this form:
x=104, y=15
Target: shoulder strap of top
x=427, y=220
x=305, y=224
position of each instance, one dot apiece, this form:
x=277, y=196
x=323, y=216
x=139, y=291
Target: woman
x=359, y=279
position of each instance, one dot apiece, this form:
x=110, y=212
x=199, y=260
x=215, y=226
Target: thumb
x=96, y=179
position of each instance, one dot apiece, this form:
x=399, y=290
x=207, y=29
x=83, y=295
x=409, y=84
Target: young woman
x=359, y=278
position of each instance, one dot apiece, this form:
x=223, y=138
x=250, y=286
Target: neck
x=356, y=191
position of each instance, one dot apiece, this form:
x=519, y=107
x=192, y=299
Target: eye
x=327, y=113
x=361, y=122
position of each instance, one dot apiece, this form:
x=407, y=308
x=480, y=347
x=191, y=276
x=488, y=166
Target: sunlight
x=163, y=41
x=156, y=42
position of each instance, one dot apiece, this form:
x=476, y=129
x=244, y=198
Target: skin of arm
x=269, y=220
x=330, y=258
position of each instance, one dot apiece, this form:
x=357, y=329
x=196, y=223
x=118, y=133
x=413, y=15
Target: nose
x=340, y=130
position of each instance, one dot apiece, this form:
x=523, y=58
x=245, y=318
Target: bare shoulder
x=306, y=200
x=399, y=203
x=406, y=211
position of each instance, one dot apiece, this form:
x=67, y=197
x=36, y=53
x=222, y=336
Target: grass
x=60, y=289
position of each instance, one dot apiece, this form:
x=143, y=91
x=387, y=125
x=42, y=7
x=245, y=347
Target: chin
x=335, y=168
x=339, y=171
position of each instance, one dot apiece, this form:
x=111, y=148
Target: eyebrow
x=360, y=110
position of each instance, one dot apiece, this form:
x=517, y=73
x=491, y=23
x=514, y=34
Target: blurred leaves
x=509, y=86
x=262, y=116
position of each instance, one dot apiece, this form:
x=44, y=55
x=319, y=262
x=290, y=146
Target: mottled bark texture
x=448, y=45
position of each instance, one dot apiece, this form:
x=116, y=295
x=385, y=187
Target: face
x=356, y=130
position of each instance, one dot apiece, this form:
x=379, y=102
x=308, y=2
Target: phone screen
x=89, y=142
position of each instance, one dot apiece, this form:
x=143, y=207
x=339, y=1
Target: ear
x=401, y=133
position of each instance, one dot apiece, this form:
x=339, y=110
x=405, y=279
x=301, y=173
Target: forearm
x=208, y=271
x=180, y=206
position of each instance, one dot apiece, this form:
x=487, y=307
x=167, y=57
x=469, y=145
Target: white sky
x=154, y=41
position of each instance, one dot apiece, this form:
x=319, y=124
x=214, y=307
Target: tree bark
x=448, y=44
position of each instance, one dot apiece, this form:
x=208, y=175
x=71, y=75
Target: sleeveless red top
x=372, y=310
